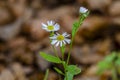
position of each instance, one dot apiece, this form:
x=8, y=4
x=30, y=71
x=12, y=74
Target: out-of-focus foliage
x=111, y=62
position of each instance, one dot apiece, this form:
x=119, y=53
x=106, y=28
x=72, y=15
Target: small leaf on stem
x=50, y=58
x=58, y=70
x=73, y=69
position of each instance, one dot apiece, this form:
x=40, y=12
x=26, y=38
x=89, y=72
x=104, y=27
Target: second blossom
x=50, y=26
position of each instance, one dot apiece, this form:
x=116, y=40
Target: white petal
x=83, y=10
x=52, y=22
x=65, y=34
x=57, y=27
x=61, y=43
x=57, y=43
x=64, y=42
x=53, y=37
x=45, y=28
x=44, y=25
x=48, y=22
x=68, y=41
x=53, y=42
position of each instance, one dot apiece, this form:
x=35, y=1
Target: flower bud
x=83, y=10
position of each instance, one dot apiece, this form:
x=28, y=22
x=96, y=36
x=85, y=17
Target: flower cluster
x=59, y=39
x=56, y=39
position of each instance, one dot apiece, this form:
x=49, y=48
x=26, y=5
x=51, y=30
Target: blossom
x=83, y=10
x=60, y=39
x=51, y=26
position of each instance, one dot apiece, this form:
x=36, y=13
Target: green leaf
x=50, y=58
x=117, y=62
x=69, y=76
x=110, y=57
x=74, y=28
x=58, y=70
x=73, y=69
x=118, y=55
x=73, y=31
x=76, y=25
x=102, y=66
x=118, y=59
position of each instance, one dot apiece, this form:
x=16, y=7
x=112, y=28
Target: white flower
x=60, y=39
x=83, y=10
x=50, y=26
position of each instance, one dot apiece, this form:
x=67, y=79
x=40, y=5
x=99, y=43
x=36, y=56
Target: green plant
x=61, y=40
x=112, y=63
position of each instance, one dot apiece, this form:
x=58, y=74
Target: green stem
x=68, y=58
x=62, y=48
x=55, y=51
x=81, y=19
x=65, y=67
x=46, y=74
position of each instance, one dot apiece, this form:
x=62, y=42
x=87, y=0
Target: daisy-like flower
x=51, y=26
x=83, y=10
x=60, y=39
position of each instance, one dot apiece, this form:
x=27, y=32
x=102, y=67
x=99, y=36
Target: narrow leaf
x=58, y=70
x=74, y=28
x=50, y=58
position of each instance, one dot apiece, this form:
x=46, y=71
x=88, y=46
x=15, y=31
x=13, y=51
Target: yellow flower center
x=60, y=38
x=50, y=27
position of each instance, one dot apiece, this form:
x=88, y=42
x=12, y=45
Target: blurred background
x=22, y=38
